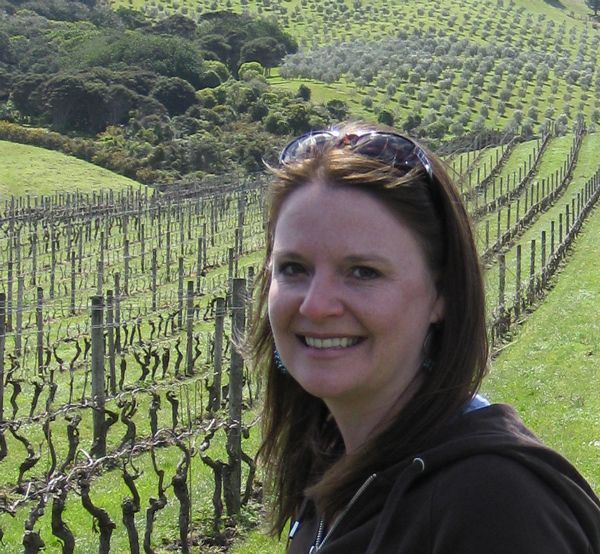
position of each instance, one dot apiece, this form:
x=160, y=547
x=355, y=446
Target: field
x=37, y=171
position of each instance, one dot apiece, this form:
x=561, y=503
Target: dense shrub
x=174, y=94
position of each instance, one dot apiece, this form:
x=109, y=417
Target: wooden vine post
x=110, y=323
x=19, y=314
x=97, y=331
x=2, y=345
x=215, y=395
x=233, y=473
x=189, y=361
x=39, y=318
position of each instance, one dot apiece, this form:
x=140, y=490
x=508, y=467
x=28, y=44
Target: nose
x=322, y=298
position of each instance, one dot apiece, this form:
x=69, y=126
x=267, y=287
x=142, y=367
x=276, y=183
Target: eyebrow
x=352, y=259
x=286, y=254
x=361, y=258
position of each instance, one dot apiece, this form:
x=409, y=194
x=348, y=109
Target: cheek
x=276, y=305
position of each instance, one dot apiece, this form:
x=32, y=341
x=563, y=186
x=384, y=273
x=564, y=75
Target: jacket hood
x=497, y=430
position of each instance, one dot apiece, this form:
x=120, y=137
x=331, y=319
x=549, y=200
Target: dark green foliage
x=264, y=50
x=205, y=153
x=219, y=68
x=298, y=117
x=26, y=94
x=169, y=56
x=386, y=117
x=412, y=121
x=216, y=45
x=176, y=25
x=132, y=19
x=174, y=94
x=74, y=103
x=61, y=10
x=304, y=92
x=6, y=52
x=6, y=82
x=338, y=109
x=258, y=111
x=210, y=79
x=226, y=34
x=276, y=123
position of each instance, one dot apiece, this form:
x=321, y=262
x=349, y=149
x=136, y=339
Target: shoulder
x=493, y=500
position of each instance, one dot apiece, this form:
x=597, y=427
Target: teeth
x=336, y=342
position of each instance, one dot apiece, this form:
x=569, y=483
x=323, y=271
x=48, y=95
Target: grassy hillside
x=549, y=369
x=32, y=170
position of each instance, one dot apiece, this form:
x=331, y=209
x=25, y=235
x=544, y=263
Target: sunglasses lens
x=305, y=146
x=391, y=149
x=388, y=148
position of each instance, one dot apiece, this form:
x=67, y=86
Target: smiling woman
x=371, y=330
x=350, y=302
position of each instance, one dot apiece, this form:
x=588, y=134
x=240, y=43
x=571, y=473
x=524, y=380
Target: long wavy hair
x=302, y=448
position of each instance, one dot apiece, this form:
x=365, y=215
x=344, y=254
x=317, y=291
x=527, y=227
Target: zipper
x=318, y=542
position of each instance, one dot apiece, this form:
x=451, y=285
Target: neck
x=358, y=419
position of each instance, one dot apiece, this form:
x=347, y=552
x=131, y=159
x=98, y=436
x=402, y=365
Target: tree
x=276, y=123
x=217, y=45
x=6, y=53
x=264, y=50
x=205, y=153
x=250, y=70
x=593, y=5
x=412, y=121
x=175, y=94
x=26, y=94
x=176, y=25
x=386, y=118
x=119, y=102
x=304, y=92
x=298, y=117
x=338, y=109
x=170, y=56
x=74, y=103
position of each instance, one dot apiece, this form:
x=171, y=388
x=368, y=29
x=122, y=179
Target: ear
x=438, y=310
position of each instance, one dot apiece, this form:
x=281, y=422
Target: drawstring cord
x=402, y=483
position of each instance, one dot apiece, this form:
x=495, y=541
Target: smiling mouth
x=331, y=342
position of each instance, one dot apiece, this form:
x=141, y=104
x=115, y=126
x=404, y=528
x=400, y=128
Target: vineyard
x=125, y=406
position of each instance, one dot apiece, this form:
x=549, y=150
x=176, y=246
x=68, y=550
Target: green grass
x=549, y=369
x=258, y=542
x=323, y=92
x=109, y=489
x=36, y=171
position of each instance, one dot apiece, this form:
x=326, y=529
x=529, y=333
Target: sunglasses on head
x=390, y=148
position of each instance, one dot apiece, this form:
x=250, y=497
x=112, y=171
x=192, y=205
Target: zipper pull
x=294, y=529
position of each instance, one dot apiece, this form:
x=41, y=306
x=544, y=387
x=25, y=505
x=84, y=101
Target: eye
x=289, y=269
x=364, y=273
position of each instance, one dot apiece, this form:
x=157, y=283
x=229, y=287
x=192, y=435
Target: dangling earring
x=427, y=363
x=279, y=363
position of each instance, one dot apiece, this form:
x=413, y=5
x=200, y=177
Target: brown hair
x=302, y=448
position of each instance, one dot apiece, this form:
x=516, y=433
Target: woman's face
x=351, y=297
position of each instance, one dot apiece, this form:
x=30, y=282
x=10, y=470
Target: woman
x=371, y=328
